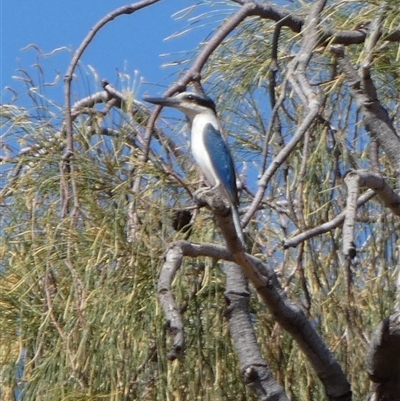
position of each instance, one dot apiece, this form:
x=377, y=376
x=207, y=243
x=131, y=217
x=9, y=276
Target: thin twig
x=325, y=227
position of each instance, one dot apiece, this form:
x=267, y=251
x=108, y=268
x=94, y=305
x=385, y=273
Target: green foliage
x=78, y=308
x=78, y=300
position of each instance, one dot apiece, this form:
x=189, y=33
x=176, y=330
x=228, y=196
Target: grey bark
x=254, y=368
x=383, y=360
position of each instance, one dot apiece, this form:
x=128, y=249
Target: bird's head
x=188, y=102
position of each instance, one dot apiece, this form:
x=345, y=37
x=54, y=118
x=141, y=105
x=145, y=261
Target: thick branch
x=254, y=368
x=286, y=18
x=287, y=314
x=376, y=118
x=173, y=261
x=383, y=360
x=377, y=183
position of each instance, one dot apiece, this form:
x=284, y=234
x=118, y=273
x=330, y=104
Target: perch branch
x=287, y=314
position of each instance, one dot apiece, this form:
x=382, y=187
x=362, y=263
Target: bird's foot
x=211, y=198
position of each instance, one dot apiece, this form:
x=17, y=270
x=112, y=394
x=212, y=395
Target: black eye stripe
x=202, y=101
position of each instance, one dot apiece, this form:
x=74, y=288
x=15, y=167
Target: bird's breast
x=200, y=151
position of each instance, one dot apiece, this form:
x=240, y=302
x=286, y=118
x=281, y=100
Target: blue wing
x=221, y=160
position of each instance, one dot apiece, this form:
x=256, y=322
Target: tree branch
x=352, y=181
x=287, y=314
x=328, y=226
x=343, y=37
x=173, y=262
x=297, y=77
x=254, y=368
x=376, y=118
x=383, y=359
x=377, y=183
x=128, y=9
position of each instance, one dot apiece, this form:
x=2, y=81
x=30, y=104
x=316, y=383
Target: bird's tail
x=238, y=226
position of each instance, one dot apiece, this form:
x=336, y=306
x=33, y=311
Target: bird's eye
x=190, y=97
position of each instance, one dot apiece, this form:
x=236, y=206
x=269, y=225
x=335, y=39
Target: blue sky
x=131, y=42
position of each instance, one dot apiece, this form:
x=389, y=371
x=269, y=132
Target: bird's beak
x=162, y=101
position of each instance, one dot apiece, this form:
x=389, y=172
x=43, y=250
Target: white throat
x=201, y=119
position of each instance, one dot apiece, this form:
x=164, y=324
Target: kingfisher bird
x=209, y=149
